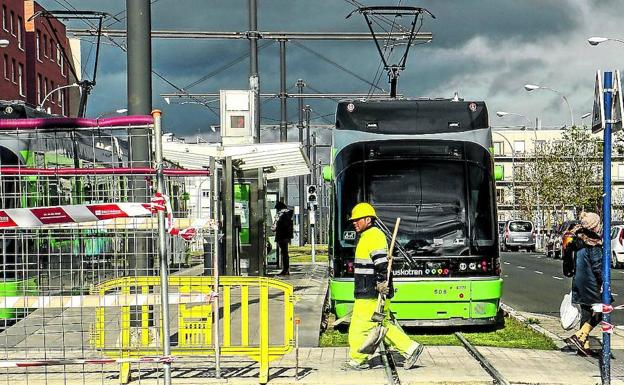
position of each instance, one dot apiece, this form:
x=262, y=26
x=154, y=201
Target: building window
x=11, y=21
x=4, y=17
x=620, y=172
x=58, y=54
x=62, y=102
x=6, y=66
x=519, y=146
x=38, y=45
x=63, y=66
x=52, y=89
x=20, y=78
x=45, y=89
x=20, y=43
x=499, y=148
x=45, y=45
x=500, y=195
x=13, y=71
x=59, y=96
x=39, y=81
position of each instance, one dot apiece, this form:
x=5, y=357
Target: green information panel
x=241, y=207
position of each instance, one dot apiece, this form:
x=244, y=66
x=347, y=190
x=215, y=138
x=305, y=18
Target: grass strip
x=513, y=334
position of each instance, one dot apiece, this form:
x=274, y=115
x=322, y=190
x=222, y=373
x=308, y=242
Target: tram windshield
x=445, y=206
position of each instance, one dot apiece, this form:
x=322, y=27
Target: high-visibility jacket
x=371, y=263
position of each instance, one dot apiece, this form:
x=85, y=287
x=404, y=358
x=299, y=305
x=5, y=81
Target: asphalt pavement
x=534, y=283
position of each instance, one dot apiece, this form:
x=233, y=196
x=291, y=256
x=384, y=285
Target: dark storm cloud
x=486, y=49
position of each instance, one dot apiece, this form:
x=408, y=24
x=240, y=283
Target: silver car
x=517, y=235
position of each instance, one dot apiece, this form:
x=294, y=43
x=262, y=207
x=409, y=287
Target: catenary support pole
x=216, y=216
x=162, y=249
x=302, y=211
x=283, y=182
x=139, y=80
x=605, y=367
x=254, y=76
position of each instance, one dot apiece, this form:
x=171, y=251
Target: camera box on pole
x=237, y=114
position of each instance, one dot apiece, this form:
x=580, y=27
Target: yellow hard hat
x=362, y=210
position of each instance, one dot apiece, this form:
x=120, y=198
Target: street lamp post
x=40, y=108
x=513, y=174
x=533, y=87
x=538, y=215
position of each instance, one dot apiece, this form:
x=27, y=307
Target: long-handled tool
x=377, y=334
x=378, y=315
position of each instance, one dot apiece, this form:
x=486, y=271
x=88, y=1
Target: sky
x=482, y=49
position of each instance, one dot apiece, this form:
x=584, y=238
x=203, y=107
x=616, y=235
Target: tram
x=429, y=162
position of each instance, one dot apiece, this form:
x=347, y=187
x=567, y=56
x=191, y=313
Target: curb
x=514, y=314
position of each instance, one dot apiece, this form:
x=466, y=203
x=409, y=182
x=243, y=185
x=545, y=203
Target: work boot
x=354, y=365
x=411, y=360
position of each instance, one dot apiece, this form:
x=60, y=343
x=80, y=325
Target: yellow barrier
x=194, y=321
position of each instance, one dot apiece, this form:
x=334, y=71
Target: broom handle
x=381, y=298
x=391, y=250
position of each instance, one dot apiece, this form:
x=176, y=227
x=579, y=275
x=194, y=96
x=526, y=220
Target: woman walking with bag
x=587, y=281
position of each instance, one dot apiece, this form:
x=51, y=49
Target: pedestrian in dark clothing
x=587, y=282
x=283, y=227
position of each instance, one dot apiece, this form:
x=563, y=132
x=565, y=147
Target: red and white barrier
x=66, y=216
x=83, y=361
x=55, y=215
x=109, y=300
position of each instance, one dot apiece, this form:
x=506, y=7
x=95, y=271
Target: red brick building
x=34, y=66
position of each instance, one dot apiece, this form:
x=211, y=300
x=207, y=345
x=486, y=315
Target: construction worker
x=371, y=264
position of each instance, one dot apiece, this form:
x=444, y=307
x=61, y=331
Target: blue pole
x=605, y=367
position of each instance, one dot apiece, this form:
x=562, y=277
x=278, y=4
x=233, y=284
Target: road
x=536, y=284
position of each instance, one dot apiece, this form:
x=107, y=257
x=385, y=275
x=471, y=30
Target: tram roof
x=280, y=160
x=411, y=116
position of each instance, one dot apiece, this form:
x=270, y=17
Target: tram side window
x=481, y=205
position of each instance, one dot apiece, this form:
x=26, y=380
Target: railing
x=238, y=295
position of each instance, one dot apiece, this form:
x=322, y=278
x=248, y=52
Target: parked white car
x=617, y=246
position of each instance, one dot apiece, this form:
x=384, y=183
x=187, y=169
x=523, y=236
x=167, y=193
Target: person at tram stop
x=586, y=248
x=283, y=227
x=371, y=264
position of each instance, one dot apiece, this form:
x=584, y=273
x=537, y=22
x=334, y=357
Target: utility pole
x=283, y=182
x=254, y=77
x=139, y=59
x=302, y=211
x=307, y=111
x=314, y=182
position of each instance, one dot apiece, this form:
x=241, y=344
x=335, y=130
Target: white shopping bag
x=569, y=313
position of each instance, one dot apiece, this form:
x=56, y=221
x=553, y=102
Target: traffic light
x=312, y=198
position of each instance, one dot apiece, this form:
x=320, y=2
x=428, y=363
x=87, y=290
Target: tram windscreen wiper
x=397, y=246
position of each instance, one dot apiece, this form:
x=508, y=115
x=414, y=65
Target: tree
x=562, y=176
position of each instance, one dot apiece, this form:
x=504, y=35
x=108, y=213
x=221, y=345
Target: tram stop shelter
x=239, y=176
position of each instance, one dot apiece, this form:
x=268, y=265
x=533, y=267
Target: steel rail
x=492, y=371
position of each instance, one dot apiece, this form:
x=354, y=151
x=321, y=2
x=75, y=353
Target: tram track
x=497, y=377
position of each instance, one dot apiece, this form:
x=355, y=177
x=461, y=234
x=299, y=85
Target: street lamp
x=501, y=114
x=117, y=111
x=40, y=108
x=595, y=40
x=205, y=104
x=533, y=87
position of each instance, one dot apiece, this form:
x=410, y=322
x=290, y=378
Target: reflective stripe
x=363, y=261
x=373, y=253
x=360, y=270
x=381, y=260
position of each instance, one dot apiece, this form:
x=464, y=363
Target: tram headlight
x=472, y=266
x=462, y=266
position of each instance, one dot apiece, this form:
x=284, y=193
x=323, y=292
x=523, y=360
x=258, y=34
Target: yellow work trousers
x=361, y=325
